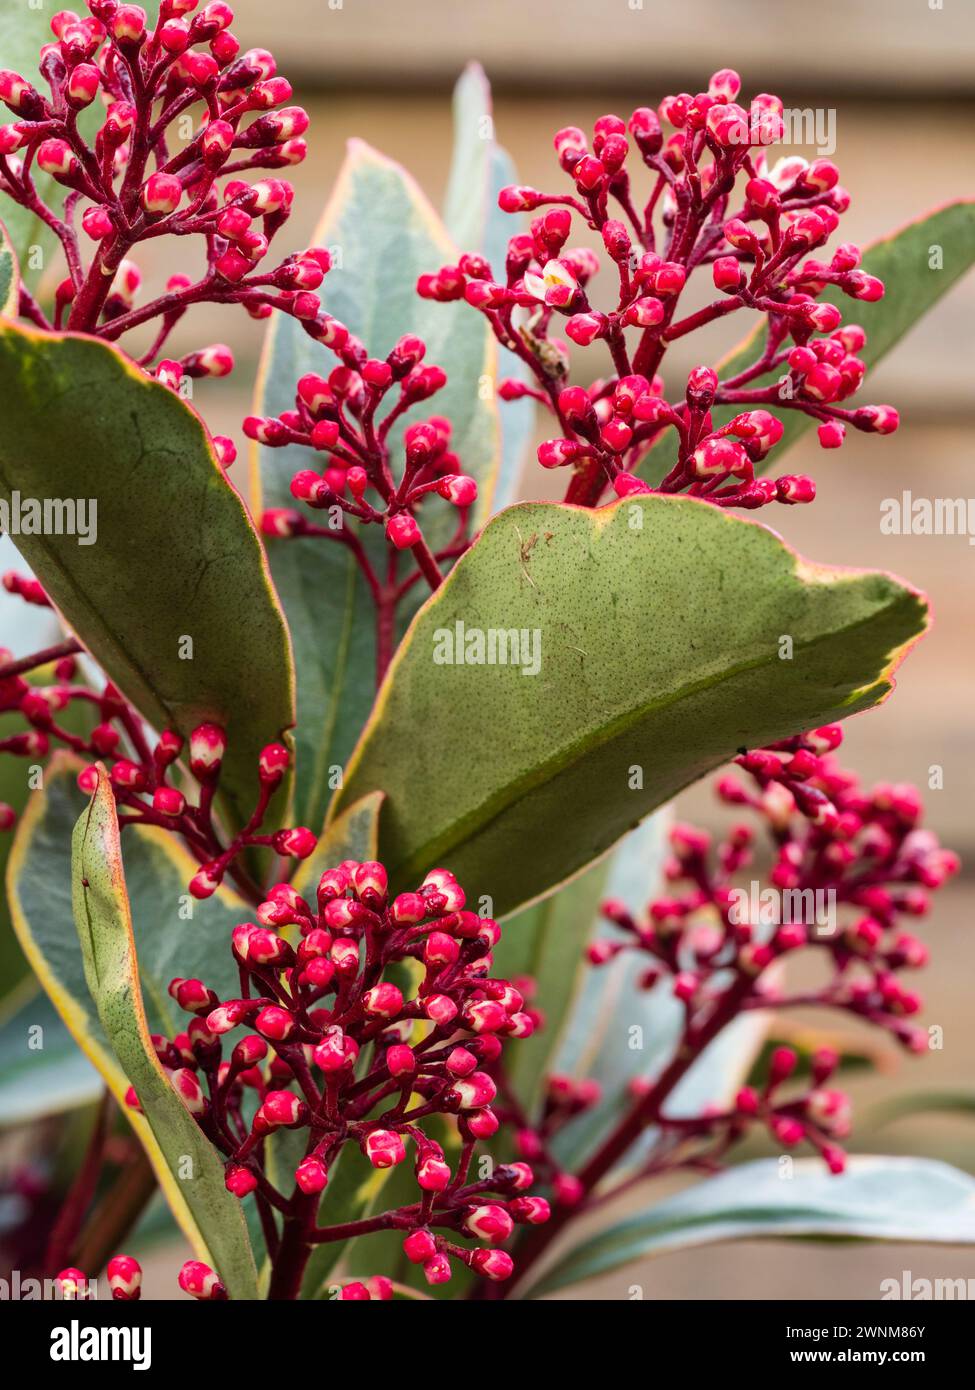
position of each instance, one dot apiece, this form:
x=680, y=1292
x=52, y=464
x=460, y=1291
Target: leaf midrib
x=480, y=817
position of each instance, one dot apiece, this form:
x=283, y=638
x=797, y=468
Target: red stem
x=65, y=1233
x=42, y=658
x=642, y=1114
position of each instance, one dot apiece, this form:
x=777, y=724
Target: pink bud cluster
x=142, y=774
x=756, y=246
x=347, y=419
x=724, y=952
x=834, y=842
x=328, y=1039
x=124, y=1280
x=139, y=178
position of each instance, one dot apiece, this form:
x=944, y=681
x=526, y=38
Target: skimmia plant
x=332, y=768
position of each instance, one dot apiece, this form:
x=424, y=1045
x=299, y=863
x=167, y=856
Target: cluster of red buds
x=758, y=252
x=849, y=863
x=141, y=773
x=338, y=1048
x=124, y=1280
x=177, y=100
x=348, y=417
x=855, y=862
x=202, y=1283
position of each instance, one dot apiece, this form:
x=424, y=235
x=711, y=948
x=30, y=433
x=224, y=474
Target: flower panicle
x=848, y=864
x=172, y=783
x=377, y=1027
x=713, y=206
x=366, y=471
x=183, y=118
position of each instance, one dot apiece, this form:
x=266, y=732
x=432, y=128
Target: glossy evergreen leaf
x=651, y=645
x=103, y=921
x=170, y=591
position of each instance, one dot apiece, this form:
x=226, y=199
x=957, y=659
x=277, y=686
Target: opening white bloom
x=556, y=277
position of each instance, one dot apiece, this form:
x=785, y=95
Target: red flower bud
x=311, y=1175
x=495, y=1265
x=168, y=801
x=199, y=1280
x=74, y=1284
x=280, y=1110
x=383, y=1000
x=297, y=843
x=436, y=1270
x=274, y=1023
x=124, y=1278
x=402, y=531
x=208, y=743
x=273, y=763
x=458, y=489
x=489, y=1222
x=184, y=1082
x=57, y=158
x=400, y=1060
x=239, y=1180
x=383, y=1148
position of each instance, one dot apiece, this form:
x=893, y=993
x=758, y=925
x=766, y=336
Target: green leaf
x=24, y=27
x=479, y=169
x=619, y=1031
x=176, y=554
x=354, y=835
x=657, y=624
x=547, y=943
x=383, y=234
x=467, y=204
x=902, y=261
x=169, y=940
x=42, y=1071
x=897, y=1199
x=103, y=920
x=9, y=277
x=33, y=629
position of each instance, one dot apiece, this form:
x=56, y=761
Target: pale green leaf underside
x=42, y=1072
x=894, y=1199
x=383, y=234
x=102, y=917
x=479, y=169
x=9, y=277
